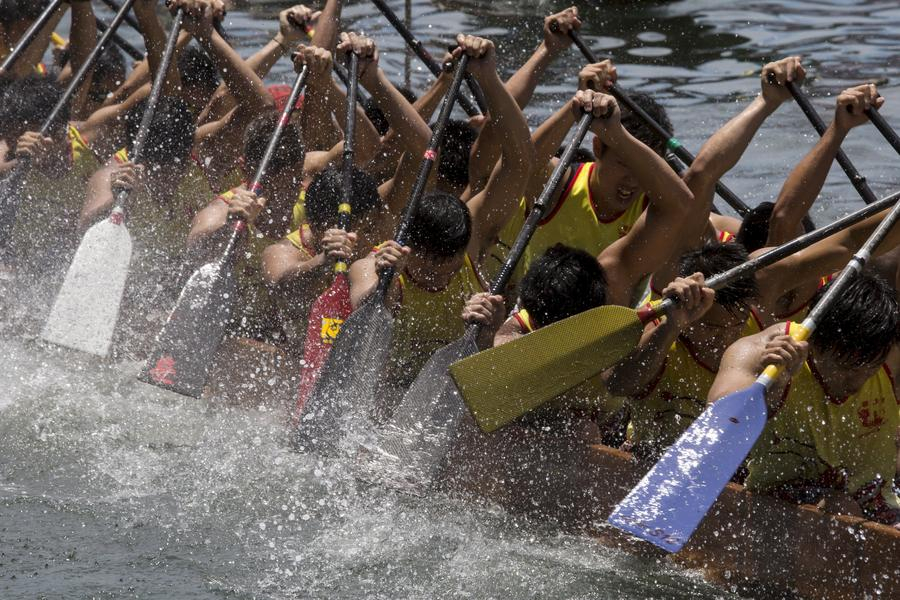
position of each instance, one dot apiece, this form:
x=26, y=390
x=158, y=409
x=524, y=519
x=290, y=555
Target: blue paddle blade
x=666, y=506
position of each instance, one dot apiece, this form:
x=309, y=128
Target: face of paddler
x=838, y=379
x=433, y=273
x=614, y=183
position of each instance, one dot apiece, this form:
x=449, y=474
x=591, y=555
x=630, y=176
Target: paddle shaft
x=116, y=7
x=344, y=210
x=121, y=42
x=856, y=180
x=341, y=72
x=437, y=136
x=671, y=142
x=784, y=250
x=886, y=130
x=432, y=65
x=29, y=36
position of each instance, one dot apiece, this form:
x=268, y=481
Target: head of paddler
x=439, y=233
x=24, y=106
x=166, y=152
x=613, y=185
x=199, y=77
x=108, y=73
x=562, y=282
x=722, y=324
x=855, y=335
x=324, y=197
x=452, y=173
x=754, y=231
x=283, y=179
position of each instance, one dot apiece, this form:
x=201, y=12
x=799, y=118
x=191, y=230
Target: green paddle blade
x=86, y=309
x=502, y=384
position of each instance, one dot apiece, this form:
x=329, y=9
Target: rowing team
x=621, y=227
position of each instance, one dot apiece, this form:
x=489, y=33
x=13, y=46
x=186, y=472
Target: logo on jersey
x=871, y=412
x=330, y=329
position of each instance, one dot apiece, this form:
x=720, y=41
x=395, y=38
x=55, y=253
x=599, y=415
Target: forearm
x=245, y=85
x=155, y=42
x=32, y=55
x=428, y=102
x=523, y=83
x=328, y=26
x=507, y=119
x=367, y=139
x=802, y=187
x=723, y=150
x=318, y=128
x=410, y=130
x=633, y=375
x=84, y=37
x=666, y=190
x=548, y=137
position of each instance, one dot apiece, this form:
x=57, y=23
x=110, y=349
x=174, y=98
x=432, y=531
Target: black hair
x=12, y=11
x=109, y=65
x=714, y=258
x=562, y=282
x=197, y=69
x=636, y=127
x=862, y=323
x=453, y=165
x=440, y=226
x=377, y=118
x=26, y=103
x=325, y=193
x=582, y=155
x=171, y=134
x=754, y=231
x=290, y=150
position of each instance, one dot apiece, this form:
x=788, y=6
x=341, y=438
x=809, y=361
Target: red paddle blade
x=326, y=316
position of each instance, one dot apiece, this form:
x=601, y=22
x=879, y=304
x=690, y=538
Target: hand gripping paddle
x=86, y=309
x=501, y=384
x=187, y=343
x=667, y=505
x=346, y=387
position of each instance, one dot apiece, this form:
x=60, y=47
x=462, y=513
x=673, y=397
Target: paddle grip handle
x=345, y=208
x=437, y=136
x=419, y=50
x=121, y=42
x=884, y=129
x=30, y=34
x=540, y=206
x=80, y=75
x=856, y=180
x=671, y=142
x=773, y=372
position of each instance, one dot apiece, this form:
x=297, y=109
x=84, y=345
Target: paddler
x=436, y=270
x=833, y=415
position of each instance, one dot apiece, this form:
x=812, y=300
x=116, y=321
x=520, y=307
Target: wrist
x=769, y=105
x=282, y=42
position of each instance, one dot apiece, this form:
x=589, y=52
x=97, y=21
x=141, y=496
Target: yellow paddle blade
x=501, y=384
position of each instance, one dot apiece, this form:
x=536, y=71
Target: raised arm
x=82, y=41
x=723, y=150
x=32, y=55
x=492, y=207
x=328, y=25
x=155, y=39
x=803, y=185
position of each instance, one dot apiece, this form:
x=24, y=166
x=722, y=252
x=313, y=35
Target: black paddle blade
x=345, y=393
x=413, y=445
x=187, y=343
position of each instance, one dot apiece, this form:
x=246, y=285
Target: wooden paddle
x=419, y=50
x=29, y=36
x=357, y=358
x=425, y=423
x=671, y=142
x=84, y=314
x=188, y=341
x=504, y=383
x=11, y=198
x=333, y=307
x=666, y=506
x=857, y=180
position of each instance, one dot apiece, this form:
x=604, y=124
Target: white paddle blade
x=86, y=309
x=673, y=497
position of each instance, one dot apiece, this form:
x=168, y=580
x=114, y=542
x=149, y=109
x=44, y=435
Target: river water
x=113, y=489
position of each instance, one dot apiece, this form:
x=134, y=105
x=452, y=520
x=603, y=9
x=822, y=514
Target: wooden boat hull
x=754, y=542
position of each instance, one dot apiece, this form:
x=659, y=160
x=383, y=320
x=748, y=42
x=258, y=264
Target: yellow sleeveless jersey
x=590, y=397
x=573, y=221
x=50, y=207
x=832, y=442
x=677, y=397
x=427, y=321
